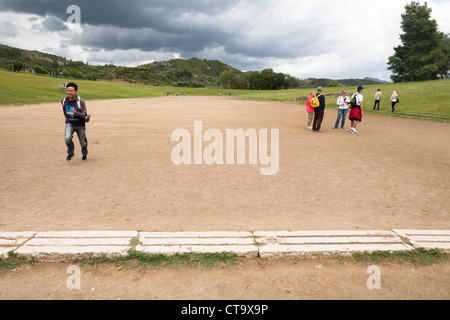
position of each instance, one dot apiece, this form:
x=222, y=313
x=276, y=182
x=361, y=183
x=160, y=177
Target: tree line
x=266, y=79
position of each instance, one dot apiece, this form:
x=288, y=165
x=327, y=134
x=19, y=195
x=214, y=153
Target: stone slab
x=325, y=250
x=67, y=253
x=202, y=234
x=240, y=251
x=17, y=235
x=87, y=234
x=197, y=241
x=427, y=239
x=321, y=233
x=45, y=242
x=12, y=242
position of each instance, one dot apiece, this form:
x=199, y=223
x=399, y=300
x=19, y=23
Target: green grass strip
x=419, y=256
x=136, y=259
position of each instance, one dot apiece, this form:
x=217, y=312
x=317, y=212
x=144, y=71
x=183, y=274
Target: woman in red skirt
x=356, y=112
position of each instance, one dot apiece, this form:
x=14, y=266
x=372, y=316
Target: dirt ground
x=252, y=279
x=394, y=174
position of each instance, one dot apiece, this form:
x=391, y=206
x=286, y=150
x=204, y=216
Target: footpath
x=58, y=246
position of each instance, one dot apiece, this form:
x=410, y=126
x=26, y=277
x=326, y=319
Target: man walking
x=377, y=100
x=319, y=112
x=74, y=109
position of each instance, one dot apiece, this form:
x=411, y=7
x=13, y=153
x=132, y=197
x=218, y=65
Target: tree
x=422, y=54
x=17, y=66
x=54, y=69
x=228, y=79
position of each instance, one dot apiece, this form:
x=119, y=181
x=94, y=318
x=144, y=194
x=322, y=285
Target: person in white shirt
x=342, y=103
x=356, y=112
x=394, y=100
x=377, y=100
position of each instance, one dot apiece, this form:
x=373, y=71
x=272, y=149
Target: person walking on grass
x=319, y=112
x=377, y=100
x=356, y=111
x=74, y=109
x=342, y=103
x=394, y=100
x=310, y=110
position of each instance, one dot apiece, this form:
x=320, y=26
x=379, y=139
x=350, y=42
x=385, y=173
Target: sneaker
x=335, y=127
x=343, y=128
x=69, y=158
x=84, y=158
x=310, y=128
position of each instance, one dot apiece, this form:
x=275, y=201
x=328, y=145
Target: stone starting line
x=59, y=246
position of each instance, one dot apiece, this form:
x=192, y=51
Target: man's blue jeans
x=341, y=113
x=81, y=133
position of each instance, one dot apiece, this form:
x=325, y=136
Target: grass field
x=425, y=98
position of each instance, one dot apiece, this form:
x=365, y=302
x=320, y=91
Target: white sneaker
x=310, y=128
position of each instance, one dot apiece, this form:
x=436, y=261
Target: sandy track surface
x=251, y=279
x=394, y=174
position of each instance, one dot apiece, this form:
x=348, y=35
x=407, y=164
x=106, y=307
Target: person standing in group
x=74, y=109
x=319, y=112
x=342, y=103
x=310, y=110
x=356, y=111
x=394, y=100
x=377, y=100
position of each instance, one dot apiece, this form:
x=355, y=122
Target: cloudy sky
x=305, y=38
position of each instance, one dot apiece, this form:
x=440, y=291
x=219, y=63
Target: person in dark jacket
x=74, y=109
x=319, y=112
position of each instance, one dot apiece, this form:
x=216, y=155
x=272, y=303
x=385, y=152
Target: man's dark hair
x=73, y=85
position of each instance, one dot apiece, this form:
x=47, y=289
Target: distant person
x=394, y=100
x=74, y=109
x=342, y=103
x=310, y=110
x=377, y=100
x=356, y=111
x=319, y=112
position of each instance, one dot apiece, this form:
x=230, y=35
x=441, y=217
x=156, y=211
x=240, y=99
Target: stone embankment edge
x=58, y=246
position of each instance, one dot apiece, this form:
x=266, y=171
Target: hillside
x=192, y=73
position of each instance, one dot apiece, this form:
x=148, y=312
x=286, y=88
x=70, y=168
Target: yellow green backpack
x=315, y=103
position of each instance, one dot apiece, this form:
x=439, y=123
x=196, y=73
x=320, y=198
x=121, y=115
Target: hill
x=192, y=73
x=177, y=72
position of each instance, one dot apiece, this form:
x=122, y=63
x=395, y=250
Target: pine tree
x=421, y=56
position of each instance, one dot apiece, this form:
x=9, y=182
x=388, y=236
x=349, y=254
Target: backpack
x=315, y=103
x=88, y=117
x=354, y=103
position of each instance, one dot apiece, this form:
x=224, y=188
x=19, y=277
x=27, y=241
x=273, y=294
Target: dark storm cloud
x=122, y=14
x=187, y=27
